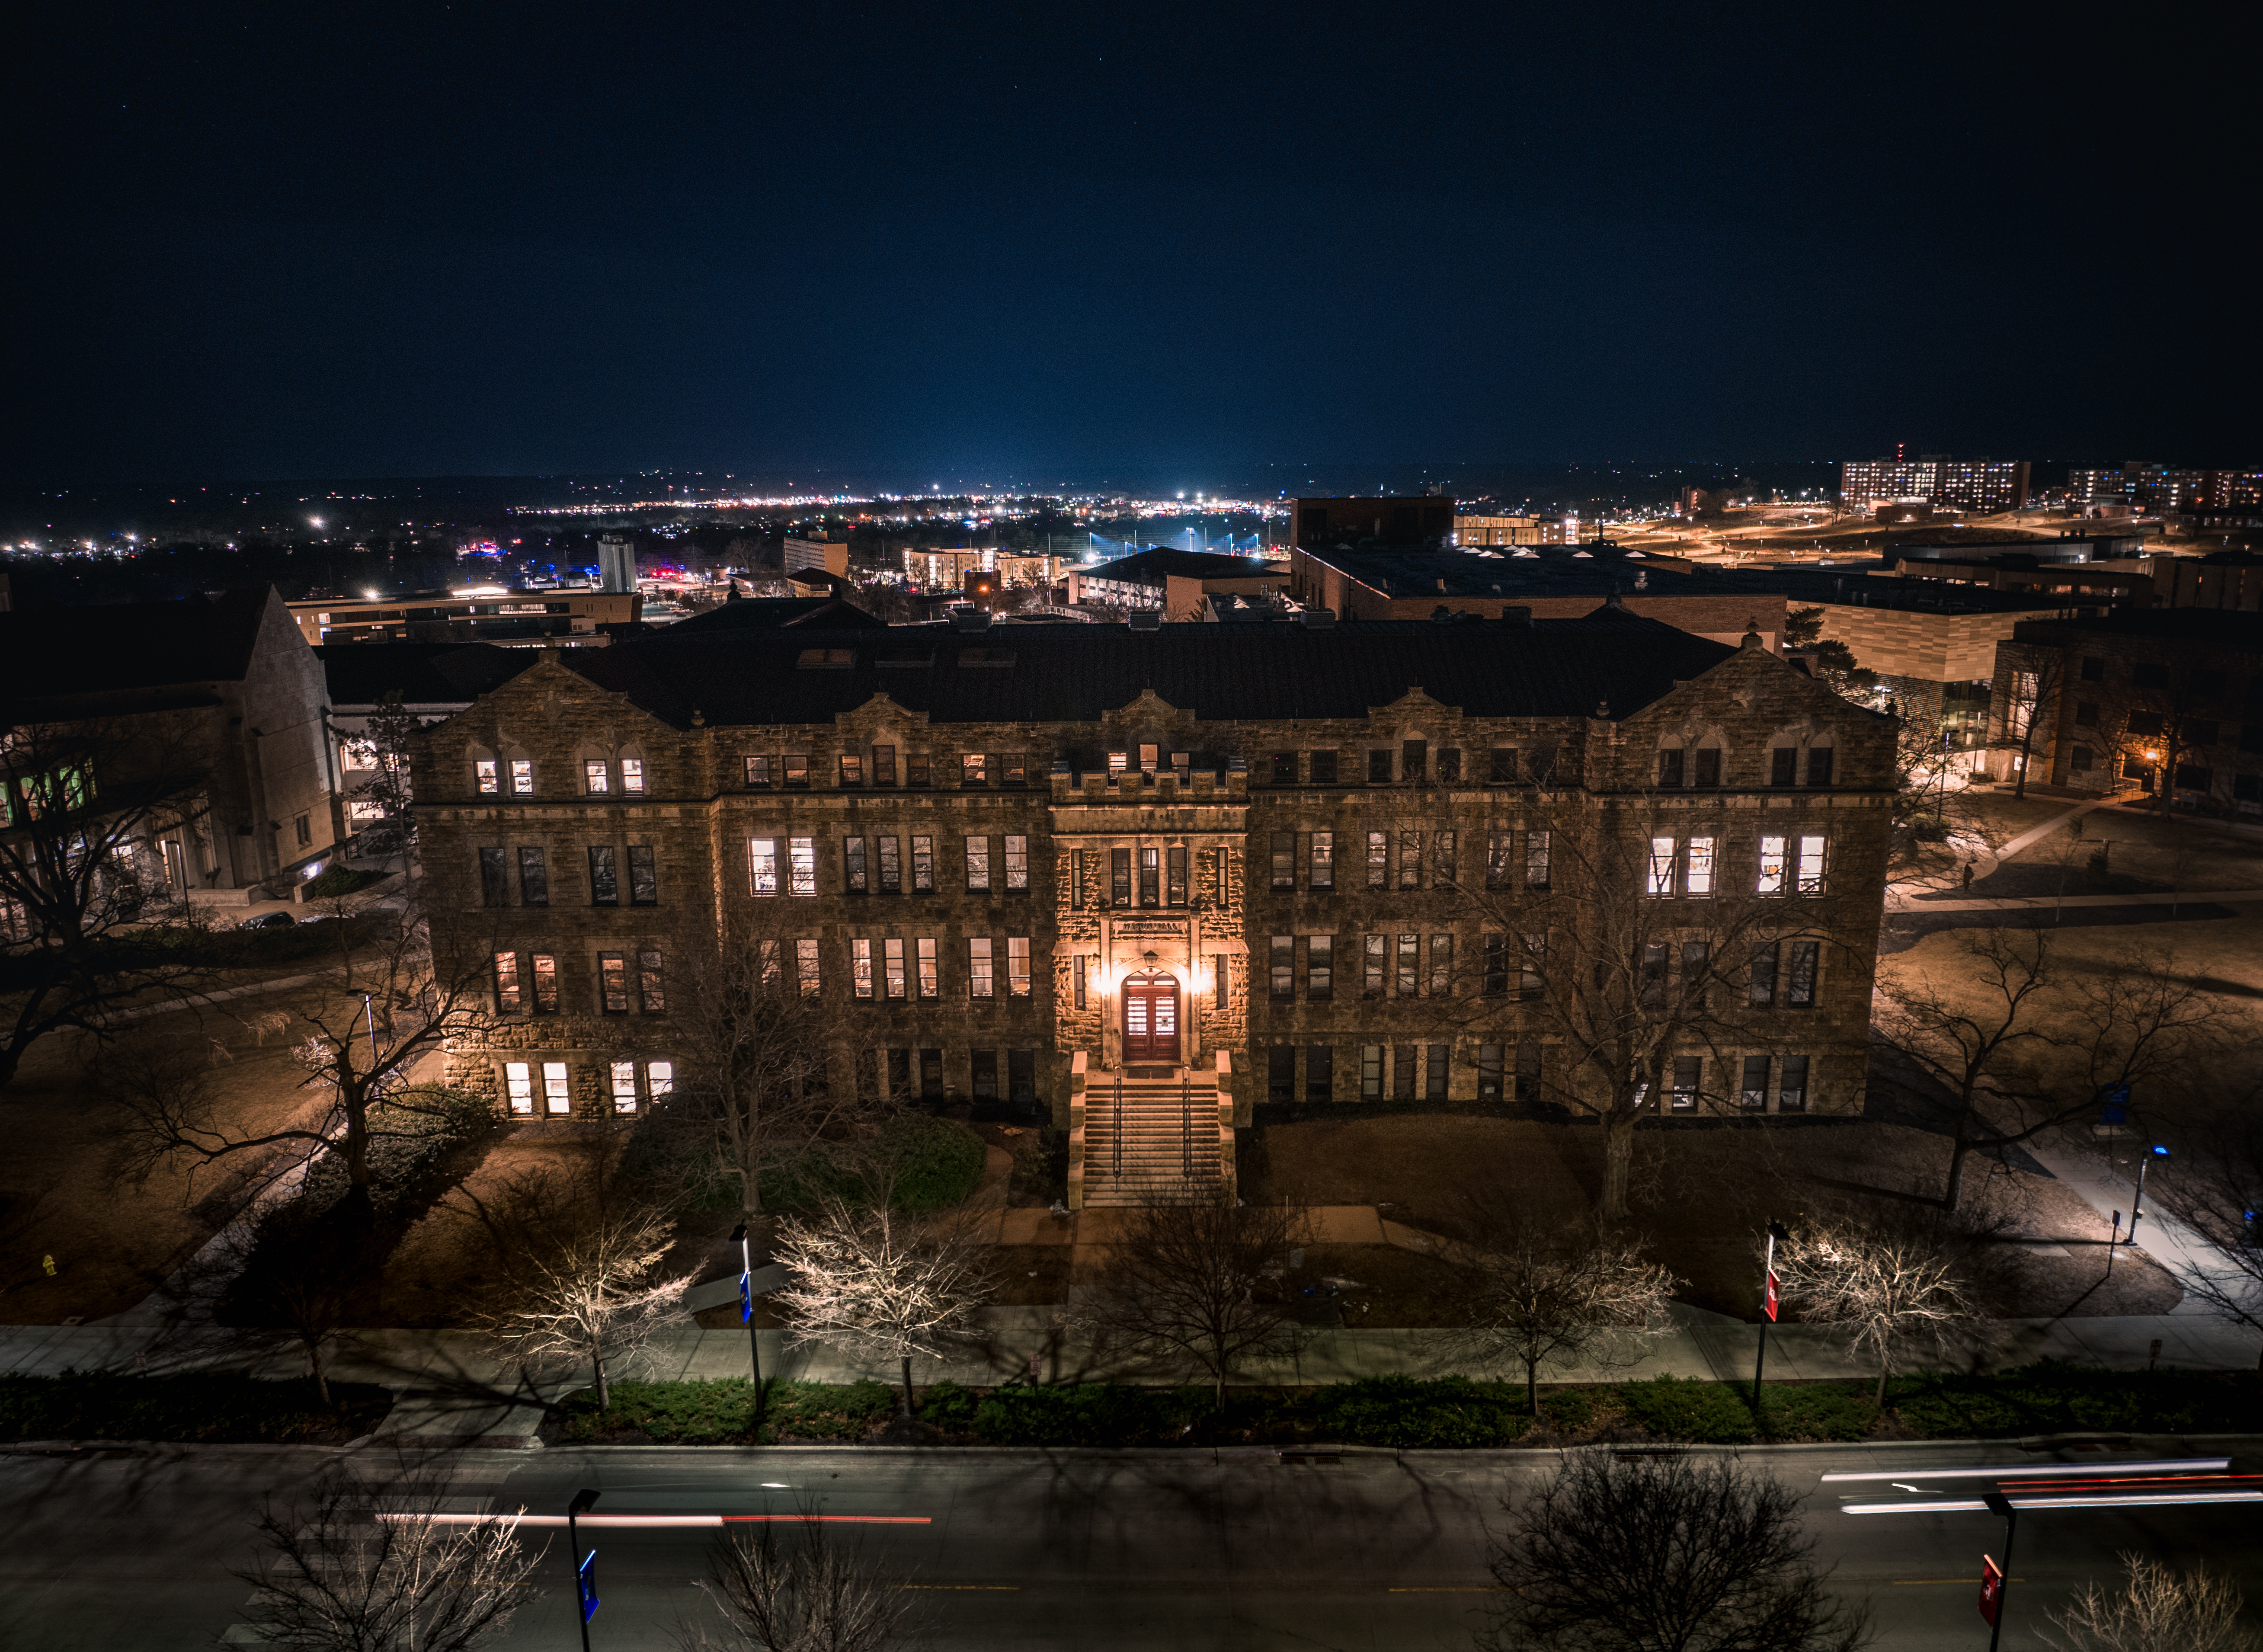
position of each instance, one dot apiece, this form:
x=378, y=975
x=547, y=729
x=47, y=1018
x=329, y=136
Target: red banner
x=1991, y=1590
x=1771, y=1304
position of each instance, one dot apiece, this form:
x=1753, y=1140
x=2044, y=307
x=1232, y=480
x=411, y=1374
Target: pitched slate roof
x=422, y=673
x=46, y=652
x=1071, y=673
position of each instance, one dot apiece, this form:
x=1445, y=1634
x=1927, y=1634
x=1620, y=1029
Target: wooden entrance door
x=1151, y=1018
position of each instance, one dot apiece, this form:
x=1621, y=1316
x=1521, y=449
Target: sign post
x=1991, y=1601
x=585, y=1566
x=1769, y=1307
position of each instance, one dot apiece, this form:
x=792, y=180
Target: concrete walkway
x=1908, y=894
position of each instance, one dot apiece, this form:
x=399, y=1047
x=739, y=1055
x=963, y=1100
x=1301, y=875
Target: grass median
x=208, y=1408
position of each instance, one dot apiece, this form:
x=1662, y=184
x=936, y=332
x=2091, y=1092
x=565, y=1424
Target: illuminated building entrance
x=1151, y=1018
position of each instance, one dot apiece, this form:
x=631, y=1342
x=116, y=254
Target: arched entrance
x=1151, y=1018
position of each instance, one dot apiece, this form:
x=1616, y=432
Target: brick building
x=1226, y=867
x=2137, y=700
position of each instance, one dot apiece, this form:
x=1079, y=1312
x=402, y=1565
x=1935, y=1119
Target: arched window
x=517, y=771
x=593, y=772
x=635, y=779
x=487, y=772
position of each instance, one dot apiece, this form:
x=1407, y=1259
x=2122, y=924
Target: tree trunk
x=604, y=1388
x=321, y=1377
x=1882, y=1385
x=1618, y=1160
x=1532, y=1386
x=1959, y=1147
x=908, y=1385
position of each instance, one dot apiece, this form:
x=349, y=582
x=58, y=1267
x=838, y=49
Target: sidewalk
x=449, y=1390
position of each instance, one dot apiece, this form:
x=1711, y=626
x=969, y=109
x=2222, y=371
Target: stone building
x=1222, y=868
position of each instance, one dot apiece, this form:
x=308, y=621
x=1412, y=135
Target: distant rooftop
x=1589, y=570
x=1150, y=566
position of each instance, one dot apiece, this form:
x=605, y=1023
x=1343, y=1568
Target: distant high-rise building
x=2145, y=486
x=616, y=562
x=1979, y=485
x=828, y=556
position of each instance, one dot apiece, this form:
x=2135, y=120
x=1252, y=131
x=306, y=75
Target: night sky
x=1065, y=242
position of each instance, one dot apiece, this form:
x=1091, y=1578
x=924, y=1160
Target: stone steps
x=1158, y=1124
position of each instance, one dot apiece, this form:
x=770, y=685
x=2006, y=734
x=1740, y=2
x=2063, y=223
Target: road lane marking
x=977, y=1589
x=662, y=1522
x=1909, y=1583
x=1445, y=1589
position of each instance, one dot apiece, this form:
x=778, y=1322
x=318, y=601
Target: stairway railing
x=1186, y=1127
x=1118, y=1171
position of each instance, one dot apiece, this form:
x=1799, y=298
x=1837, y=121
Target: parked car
x=268, y=920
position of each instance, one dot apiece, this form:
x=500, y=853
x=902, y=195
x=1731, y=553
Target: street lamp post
x=2137, y=1199
x=1998, y=1503
x=747, y=1315
x=1776, y=1231
x=585, y=1575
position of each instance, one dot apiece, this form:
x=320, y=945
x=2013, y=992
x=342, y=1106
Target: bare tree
x=1532, y=1296
x=2032, y=681
x=753, y=1049
x=378, y=1003
x=1623, y=961
x=1617, y=1554
x=580, y=1279
x=1182, y=1285
x=2158, y=1609
x=1886, y=1287
x=814, y=1594
x=90, y=920
x=357, y=1568
x=2022, y=1045
x=295, y=1270
x=882, y=1285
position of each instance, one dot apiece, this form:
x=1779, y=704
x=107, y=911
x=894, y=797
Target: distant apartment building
x=428, y=680
x=1476, y=530
x=1388, y=520
x=514, y=618
x=2144, y=485
x=947, y=569
x=1977, y=485
x=826, y=556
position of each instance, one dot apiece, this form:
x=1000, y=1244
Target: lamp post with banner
x=585, y=1566
x=747, y=1317
x=1769, y=1305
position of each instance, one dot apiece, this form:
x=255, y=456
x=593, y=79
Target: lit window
x=1771, y=874
x=763, y=859
x=613, y=981
x=632, y=774
x=1810, y=866
x=521, y=776
x=893, y=952
x=978, y=967
x=557, y=1097
x=489, y=782
x=1699, y=876
x=804, y=857
x=930, y=980
x=860, y=966
x=595, y=777
x=519, y=1081
x=1661, y=878
x=806, y=968
x=660, y=1079
x=509, y=997
x=623, y=1084
x=1017, y=965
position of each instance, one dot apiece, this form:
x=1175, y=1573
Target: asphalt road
x=1179, y=1550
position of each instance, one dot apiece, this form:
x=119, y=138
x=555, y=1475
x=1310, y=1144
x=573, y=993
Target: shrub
x=212, y=1407
x=1688, y=1409
x=333, y=881
x=1412, y=1415
x=1084, y=1414
x=1819, y=1411
x=1569, y=1411
x=948, y=1406
x=2052, y=1397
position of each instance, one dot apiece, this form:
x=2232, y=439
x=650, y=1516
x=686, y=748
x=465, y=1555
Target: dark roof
x=1853, y=585
x=1073, y=673
x=50, y=651
x=769, y=613
x=1150, y=567
x=2222, y=627
x=422, y=673
x=1505, y=572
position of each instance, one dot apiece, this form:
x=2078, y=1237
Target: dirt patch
x=1378, y=1285
x=1703, y=1196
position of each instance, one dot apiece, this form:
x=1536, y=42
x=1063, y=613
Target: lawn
x=206, y=1408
